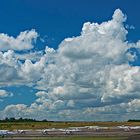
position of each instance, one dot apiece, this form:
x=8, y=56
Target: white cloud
x=22, y=42
x=31, y=72
x=33, y=56
x=88, y=77
x=4, y=94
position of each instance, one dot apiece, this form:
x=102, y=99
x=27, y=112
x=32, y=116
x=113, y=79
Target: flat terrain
x=86, y=138
x=72, y=130
x=44, y=125
x=70, y=138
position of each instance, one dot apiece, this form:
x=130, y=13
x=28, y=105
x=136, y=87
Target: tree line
x=133, y=120
x=21, y=120
x=34, y=120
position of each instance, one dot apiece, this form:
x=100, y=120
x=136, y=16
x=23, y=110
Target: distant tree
x=133, y=120
x=12, y=119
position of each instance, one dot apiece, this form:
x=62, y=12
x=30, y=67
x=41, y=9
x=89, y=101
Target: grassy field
x=84, y=138
x=79, y=138
x=44, y=125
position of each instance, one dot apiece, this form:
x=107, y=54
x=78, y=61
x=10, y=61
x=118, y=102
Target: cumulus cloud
x=4, y=94
x=88, y=77
x=33, y=56
x=22, y=42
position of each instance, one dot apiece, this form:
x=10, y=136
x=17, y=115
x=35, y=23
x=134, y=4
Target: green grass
x=83, y=138
x=43, y=125
x=76, y=138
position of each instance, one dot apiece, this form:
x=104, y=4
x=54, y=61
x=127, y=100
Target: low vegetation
x=12, y=123
x=84, y=138
x=77, y=138
x=44, y=125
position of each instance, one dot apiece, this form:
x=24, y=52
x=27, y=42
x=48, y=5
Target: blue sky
x=44, y=80
x=60, y=19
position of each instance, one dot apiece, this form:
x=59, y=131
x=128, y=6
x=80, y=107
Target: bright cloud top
x=87, y=78
x=22, y=42
x=4, y=93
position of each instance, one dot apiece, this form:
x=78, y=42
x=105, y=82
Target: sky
x=75, y=60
